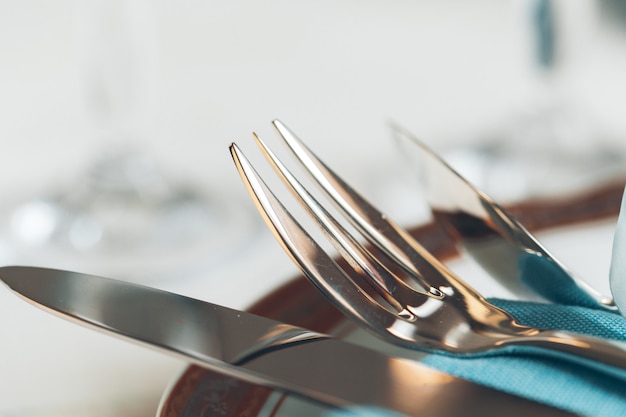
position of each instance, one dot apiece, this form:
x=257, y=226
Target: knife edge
x=314, y=366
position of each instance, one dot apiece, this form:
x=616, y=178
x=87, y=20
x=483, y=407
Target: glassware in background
x=124, y=217
x=560, y=138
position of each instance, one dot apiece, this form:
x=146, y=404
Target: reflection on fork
x=403, y=294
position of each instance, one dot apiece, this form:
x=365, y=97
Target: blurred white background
x=335, y=72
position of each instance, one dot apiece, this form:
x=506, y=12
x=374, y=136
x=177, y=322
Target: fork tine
x=384, y=282
x=314, y=262
x=377, y=227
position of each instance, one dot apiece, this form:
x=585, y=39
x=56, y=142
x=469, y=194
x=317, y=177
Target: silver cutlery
x=256, y=349
x=404, y=295
x=493, y=237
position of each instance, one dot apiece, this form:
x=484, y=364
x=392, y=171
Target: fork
x=403, y=294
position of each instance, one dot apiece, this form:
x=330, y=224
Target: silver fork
x=442, y=313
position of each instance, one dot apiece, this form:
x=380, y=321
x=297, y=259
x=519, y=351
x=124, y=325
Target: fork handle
x=607, y=356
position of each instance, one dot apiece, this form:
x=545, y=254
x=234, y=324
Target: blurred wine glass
x=124, y=216
x=556, y=140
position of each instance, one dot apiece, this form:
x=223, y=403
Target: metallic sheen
x=448, y=315
x=257, y=349
x=492, y=236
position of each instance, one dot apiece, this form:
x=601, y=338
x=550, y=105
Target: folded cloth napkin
x=529, y=372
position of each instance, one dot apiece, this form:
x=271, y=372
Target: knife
x=259, y=350
x=492, y=236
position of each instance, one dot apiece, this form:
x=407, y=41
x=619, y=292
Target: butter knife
x=259, y=350
x=492, y=236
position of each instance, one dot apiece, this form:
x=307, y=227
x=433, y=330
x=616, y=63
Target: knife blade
x=492, y=236
x=259, y=350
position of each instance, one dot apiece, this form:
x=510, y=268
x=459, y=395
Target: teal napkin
x=530, y=373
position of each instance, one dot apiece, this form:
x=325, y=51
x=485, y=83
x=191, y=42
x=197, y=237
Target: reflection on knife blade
x=260, y=350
